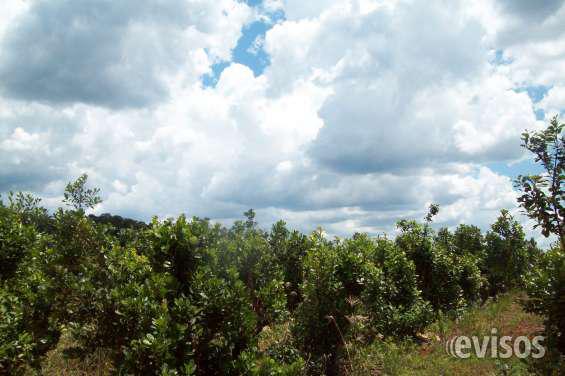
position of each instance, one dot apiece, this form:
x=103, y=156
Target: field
x=282, y=187
x=84, y=294
x=384, y=357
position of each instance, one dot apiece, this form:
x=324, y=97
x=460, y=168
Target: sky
x=344, y=114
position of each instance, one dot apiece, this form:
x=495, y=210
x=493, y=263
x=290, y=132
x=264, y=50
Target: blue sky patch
x=499, y=58
x=249, y=49
x=536, y=93
x=253, y=3
x=211, y=79
x=512, y=170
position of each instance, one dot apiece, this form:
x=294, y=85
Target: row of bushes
x=186, y=296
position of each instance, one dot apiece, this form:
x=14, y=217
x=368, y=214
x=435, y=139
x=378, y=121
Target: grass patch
x=60, y=362
x=430, y=358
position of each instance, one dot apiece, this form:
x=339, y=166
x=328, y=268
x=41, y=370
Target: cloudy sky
x=348, y=114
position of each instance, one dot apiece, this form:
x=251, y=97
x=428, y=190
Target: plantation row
x=188, y=297
x=185, y=296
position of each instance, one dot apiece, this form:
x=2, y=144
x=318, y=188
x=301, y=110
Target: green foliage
x=447, y=279
x=468, y=239
x=16, y=240
x=125, y=298
x=16, y=343
x=204, y=333
x=177, y=248
x=73, y=260
x=433, y=210
x=289, y=249
x=248, y=251
x=349, y=282
x=26, y=206
x=226, y=324
x=393, y=300
x=543, y=194
x=506, y=259
x=79, y=197
x=277, y=353
x=546, y=289
x=164, y=310
x=407, y=357
x=272, y=363
x=321, y=316
x=472, y=282
x=125, y=230
x=270, y=367
x=542, y=198
x=187, y=297
x=26, y=328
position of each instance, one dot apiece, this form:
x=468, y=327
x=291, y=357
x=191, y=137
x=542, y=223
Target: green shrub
x=16, y=241
x=267, y=366
x=27, y=330
x=321, y=317
x=471, y=280
x=438, y=269
x=247, y=250
x=162, y=309
x=16, y=343
x=177, y=248
x=185, y=297
x=506, y=259
x=468, y=239
x=546, y=289
x=289, y=249
x=123, y=306
x=467, y=249
x=392, y=298
x=225, y=326
x=203, y=334
x=350, y=281
x=278, y=344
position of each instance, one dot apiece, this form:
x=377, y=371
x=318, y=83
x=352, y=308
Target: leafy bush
x=506, y=259
x=164, y=310
x=393, y=300
x=123, y=306
x=202, y=334
x=542, y=197
x=289, y=249
x=16, y=343
x=321, y=316
x=27, y=330
x=276, y=344
x=468, y=239
x=248, y=251
x=187, y=297
x=16, y=241
x=546, y=289
x=348, y=281
x=73, y=260
x=442, y=273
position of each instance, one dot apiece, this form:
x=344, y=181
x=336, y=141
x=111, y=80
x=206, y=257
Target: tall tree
x=542, y=194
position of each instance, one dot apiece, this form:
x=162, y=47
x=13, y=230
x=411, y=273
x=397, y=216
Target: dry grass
x=58, y=363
